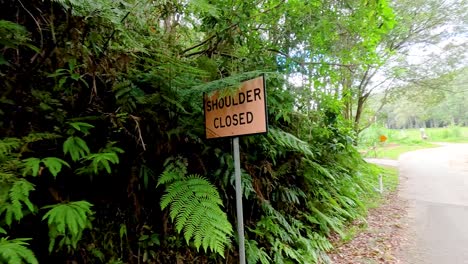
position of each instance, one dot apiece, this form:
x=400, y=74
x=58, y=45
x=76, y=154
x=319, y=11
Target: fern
x=34, y=137
x=15, y=251
x=103, y=160
x=175, y=170
x=255, y=254
x=77, y=148
x=68, y=221
x=127, y=95
x=32, y=165
x=81, y=126
x=54, y=165
x=195, y=207
x=18, y=196
x=290, y=142
x=7, y=145
x=291, y=240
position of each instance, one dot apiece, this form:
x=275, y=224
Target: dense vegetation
x=102, y=151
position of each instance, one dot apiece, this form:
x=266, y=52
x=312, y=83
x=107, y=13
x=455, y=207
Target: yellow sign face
x=237, y=114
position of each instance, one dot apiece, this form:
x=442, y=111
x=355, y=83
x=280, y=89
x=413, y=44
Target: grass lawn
x=404, y=140
x=393, y=151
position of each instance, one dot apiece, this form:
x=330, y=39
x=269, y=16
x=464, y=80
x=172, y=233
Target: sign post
x=240, y=215
x=233, y=115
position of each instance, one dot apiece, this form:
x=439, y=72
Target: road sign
x=242, y=113
x=233, y=115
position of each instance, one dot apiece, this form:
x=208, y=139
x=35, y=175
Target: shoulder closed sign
x=237, y=114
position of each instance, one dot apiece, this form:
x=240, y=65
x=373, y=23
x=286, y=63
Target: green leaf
x=31, y=166
x=7, y=145
x=81, y=126
x=67, y=220
x=17, y=198
x=14, y=251
x=102, y=160
x=195, y=206
x=76, y=147
x=54, y=165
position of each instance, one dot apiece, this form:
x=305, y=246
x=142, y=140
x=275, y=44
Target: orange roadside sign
x=242, y=113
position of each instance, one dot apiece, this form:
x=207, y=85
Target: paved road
x=435, y=182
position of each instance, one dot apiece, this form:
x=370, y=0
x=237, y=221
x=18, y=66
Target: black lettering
x=208, y=105
x=228, y=121
x=241, y=119
x=214, y=123
x=249, y=117
x=249, y=96
x=257, y=93
x=221, y=103
x=221, y=124
x=227, y=100
x=214, y=104
x=241, y=98
x=235, y=120
x=234, y=101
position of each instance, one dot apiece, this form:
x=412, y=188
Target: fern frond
x=18, y=197
x=290, y=142
x=327, y=223
x=103, y=160
x=15, y=251
x=81, y=126
x=7, y=145
x=255, y=254
x=31, y=166
x=195, y=206
x=34, y=137
x=77, y=148
x=314, y=168
x=54, y=165
x=174, y=170
x=68, y=221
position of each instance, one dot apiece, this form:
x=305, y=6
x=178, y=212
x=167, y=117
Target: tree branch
x=303, y=63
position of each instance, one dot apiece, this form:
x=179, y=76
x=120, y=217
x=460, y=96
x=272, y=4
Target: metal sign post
x=240, y=216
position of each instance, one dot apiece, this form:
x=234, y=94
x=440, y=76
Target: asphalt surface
x=435, y=182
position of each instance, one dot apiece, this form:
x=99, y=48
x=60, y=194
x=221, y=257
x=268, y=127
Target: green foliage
x=290, y=142
x=67, y=221
x=39, y=136
x=7, y=145
x=13, y=35
x=32, y=165
x=254, y=254
x=132, y=74
x=81, y=126
x=15, y=251
x=104, y=158
x=54, y=165
x=195, y=207
x=76, y=147
x=14, y=201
